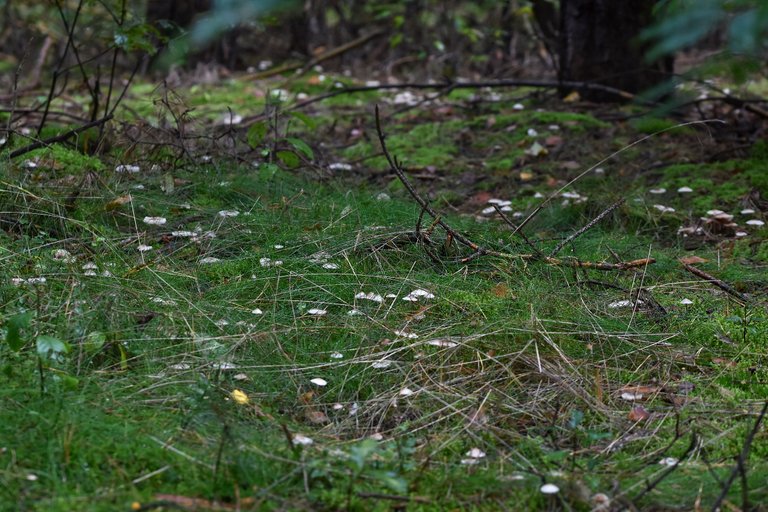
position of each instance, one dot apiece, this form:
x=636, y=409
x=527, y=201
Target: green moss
x=648, y=124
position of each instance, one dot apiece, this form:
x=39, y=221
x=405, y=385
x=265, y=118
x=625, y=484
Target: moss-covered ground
x=232, y=323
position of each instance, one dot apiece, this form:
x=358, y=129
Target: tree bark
x=598, y=43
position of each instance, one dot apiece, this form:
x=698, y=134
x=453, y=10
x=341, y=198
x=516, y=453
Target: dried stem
x=586, y=228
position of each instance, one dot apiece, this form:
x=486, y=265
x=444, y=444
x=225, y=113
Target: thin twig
x=69, y=44
x=586, y=228
x=394, y=165
x=741, y=464
x=334, y=52
x=715, y=281
x=393, y=497
x=59, y=138
x=624, y=265
x=664, y=474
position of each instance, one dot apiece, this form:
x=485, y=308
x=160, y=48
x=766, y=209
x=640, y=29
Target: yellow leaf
x=573, y=97
x=239, y=397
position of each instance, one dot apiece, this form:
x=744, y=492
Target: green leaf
x=360, y=452
x=682, y=27
x=745, y=32
x=268, y=171
x=13, y=327
x=289, y=158
x=301, y=146
x=576, y=418
x=305, y=119
x=47, y=345
x=69, y=381
x=391, y=480
x=94, y=341
x=257, y=133
x=123, y=357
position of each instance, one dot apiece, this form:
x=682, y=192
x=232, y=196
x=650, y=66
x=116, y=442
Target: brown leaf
x=553, y=140
x=640, y=391
x=526, y=176
x=723, y=362
x=501, y=290
x=692, y=260
x=118, y=202
x=639, y=413
x=480, y=198
x=316, y=417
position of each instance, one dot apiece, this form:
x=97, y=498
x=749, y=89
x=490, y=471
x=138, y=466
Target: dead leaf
x=638, y=392
x=501, y=290
x=692, y=260
x=526, y=176
x=723, y=362
x=536, y=149
x=553, y=140
x=118, y=202
x=572, y=97
x=315, y=416
x=639, y=413
x=480, y=198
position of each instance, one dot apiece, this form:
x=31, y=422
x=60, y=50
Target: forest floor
x=247, y=317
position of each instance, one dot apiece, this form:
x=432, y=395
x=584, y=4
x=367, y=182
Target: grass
x=526, y=362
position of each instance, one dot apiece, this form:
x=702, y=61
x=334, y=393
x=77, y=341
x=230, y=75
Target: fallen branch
x=624, y=265
x=715, y=281
x=539, y=84
x=59, y=138
x=334, y=52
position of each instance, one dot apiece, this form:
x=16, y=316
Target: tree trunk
x=598, y=43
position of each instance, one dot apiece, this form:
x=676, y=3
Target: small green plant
x=49, y=350
x=273, y=139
